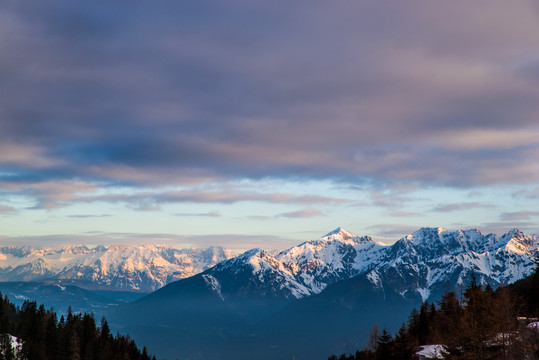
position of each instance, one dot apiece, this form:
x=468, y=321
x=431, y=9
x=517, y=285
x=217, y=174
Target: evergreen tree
x=402, y=348
x=384, y=350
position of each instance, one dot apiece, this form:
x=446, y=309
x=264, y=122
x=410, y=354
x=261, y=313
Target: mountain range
x=320, y=297
x=131, y=267
x=315, y=299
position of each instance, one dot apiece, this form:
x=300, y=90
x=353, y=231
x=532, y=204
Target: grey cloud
x=150, y=201
x=177, y=91
x=392, y=198
x=50, y=195
x=462, y=206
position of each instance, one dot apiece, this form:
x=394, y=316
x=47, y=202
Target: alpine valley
x=331, y=291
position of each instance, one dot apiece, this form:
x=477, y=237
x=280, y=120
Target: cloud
x=207, y=214
x=404, y=214
x=519, y=216
x=88, y=216
x=177, y=94
x=390, y=198
x=223, y=196
x=7, y=210
x=48, y=194
x=51, y=195
x=389, y=233
x=502, y=227
x=527, y=193
x=462, y=207
x=238, y=242
x=304, y=213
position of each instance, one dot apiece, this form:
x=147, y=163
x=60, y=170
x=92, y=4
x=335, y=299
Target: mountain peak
x=420, y=235
x=430, y=230
x=341, y=232
x=341, y=235
x=515, y=233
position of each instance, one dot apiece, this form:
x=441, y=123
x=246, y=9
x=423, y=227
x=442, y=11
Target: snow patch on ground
x=14, y=342
x=433, y=351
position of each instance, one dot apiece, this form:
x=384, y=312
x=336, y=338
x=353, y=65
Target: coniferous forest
x=477, y=324
x=73, y=337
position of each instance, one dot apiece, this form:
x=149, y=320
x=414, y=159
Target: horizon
x=248, y=125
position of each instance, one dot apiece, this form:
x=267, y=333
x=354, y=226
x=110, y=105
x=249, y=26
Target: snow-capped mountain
x=133, y=267
x=300, y=271
x=330, y=290
x=429, y=261
x=434, y=260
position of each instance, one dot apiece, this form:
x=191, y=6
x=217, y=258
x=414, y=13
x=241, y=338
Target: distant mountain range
x=132, y=267
x=320, y=297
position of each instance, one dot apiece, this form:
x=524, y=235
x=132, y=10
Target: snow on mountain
x=297, y=272
x=340, y=281
x=336, y=256
x=433, y=260
x=143, y=268
x=420, y=265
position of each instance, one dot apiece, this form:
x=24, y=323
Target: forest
x=478, y=324
x=73, y=337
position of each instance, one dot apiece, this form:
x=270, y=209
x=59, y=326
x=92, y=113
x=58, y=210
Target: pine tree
x=401, y=344
x=384, y=346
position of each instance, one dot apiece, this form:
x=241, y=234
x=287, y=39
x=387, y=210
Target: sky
x=264, y=124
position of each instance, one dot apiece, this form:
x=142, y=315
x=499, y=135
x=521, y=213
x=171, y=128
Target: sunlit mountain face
x=131, y=268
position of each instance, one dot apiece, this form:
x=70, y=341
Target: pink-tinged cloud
x=519, y=216
x=304, y=213
x=7, y=210
x=462, y=207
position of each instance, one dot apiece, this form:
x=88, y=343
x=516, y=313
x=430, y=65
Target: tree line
x=478, y=324
x=73, y=337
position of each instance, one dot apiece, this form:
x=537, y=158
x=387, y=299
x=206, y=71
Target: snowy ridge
x=302, y=270
x=134, y=267
x=431, y=261
x=421, y=265
x=336, y=256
